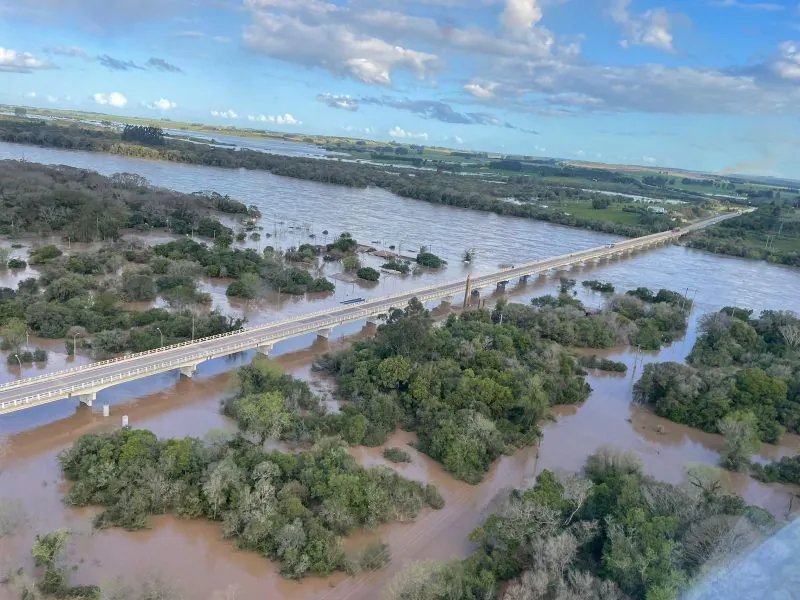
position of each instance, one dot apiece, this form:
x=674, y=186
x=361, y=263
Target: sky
x=711, y=85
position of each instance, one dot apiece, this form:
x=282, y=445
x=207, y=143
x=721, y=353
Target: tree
x=14, y=333
x=741, y=440
x=264, y=415
x=20, y=111
x=5, y=253
x=368, y=274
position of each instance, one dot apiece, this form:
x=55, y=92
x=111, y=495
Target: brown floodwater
x=193, y=554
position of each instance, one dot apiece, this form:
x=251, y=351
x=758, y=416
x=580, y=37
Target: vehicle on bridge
x=352, y=301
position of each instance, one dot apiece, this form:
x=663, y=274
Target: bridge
x=85, y=382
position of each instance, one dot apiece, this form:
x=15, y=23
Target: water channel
x=193, y=553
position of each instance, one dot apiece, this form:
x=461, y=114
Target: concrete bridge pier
x=87, y=399
x=264, y=350
x=501, y=286
x=324, y=333
x=188, y=370
x=524, y=279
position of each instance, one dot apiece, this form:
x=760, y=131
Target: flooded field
x=195, y=555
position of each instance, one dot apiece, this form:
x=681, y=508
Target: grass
x=612, y=214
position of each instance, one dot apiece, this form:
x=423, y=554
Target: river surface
x=193, y=554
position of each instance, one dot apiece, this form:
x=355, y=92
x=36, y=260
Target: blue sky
x=702, y=84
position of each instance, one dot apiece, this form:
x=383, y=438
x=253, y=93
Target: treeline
x=84, y=206
x=291, y=508
x=434, y=187
x=742, y=369
x=610, y=532
x=748, y=235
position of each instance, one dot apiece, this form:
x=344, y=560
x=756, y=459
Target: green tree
x=14, y=333
x=368, y=274
x=741, y=440
x=264, y=415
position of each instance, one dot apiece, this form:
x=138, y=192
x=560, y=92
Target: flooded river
x=193, y=553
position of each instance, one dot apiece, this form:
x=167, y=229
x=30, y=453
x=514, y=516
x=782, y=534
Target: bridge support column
x=188, y=370
x=87, y=399
x=373, y=321
x=501, y=286
x=324, y=333
x=524, y=279
x=467, y=291
x=264, y=350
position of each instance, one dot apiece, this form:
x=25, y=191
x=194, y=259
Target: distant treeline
x=751, y=235
x=85, y=206
x=434, y=187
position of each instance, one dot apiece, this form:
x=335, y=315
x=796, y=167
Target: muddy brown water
x=193, y=554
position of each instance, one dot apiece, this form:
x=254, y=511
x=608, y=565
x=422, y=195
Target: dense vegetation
x=436, y=187
x=252, y=271
x=85, y=206
x=771, y=233
x=288, y=507
x=738, y=366
x=639, y=317
x=67, y=300
x=602, y=364
x=471, y=389
x=598, y=286
x=610, y=533
x=784, y=470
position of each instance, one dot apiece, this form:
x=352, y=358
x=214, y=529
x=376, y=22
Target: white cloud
x=52, y=99
x=398, y=133
x=220, y=39
x=29, y=95
x=71, y=51
x=651, y=28
x=162, y=104
x=313, y=34
x=190, y=34
x=519, y=16
x=12, y=61
x=765, y=6
x=342, y=101
x=225, y=114
x=482, y=91
x=649, y=160
x=113, y=99
x=286, y=119
x=787, y=65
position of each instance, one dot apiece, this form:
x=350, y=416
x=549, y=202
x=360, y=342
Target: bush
x=375, y=556
x=396, y=265
x=430, y=260
x=44, y=253
x=368, y=274
x=433, y=498
x=598, y=286
x=603, y=364
x=396, y=455
x=17, y=263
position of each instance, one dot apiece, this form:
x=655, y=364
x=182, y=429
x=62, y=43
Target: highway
x=84, y=382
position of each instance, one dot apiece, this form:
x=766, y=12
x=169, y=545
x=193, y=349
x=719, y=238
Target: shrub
x=396, y=455
x=368, y=274
x=17, y=263
x=375, y=556
x=44, y=253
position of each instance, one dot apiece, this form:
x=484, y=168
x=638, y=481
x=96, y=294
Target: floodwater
x=205, y=566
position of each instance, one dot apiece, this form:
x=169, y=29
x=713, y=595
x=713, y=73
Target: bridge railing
x=371, y=308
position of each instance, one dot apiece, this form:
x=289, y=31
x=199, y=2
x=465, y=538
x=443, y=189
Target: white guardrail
x=273, y=331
